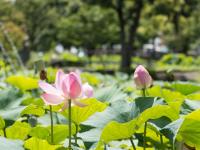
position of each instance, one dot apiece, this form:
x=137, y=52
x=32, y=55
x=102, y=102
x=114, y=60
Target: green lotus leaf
x=156, y=112
x=22, y=82
x=33, y=110
x=90, y=78
x=60, y=132
x=19, y=130
x=172, y=98
x=185, y=87
x=39, y=132
x=9, y=144
x=39, y=144
x=195, y=96
x=116, y=131
x=190, y=129
x=185, y=129
x=80, y=114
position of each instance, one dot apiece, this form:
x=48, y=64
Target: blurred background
x=103, y=36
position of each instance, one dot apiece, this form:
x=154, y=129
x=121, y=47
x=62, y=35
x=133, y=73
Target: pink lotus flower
x=142, y=78
x=87, y=91
x=66, y=87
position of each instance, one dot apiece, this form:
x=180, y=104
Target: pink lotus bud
x=87, y=90
x=142, y=78
x=71, y=85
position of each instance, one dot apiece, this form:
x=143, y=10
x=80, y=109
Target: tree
x=179, y=14
x=87, y=26
x=129, y=15
x=40, y=17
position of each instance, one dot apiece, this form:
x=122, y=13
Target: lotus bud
x=142, y=78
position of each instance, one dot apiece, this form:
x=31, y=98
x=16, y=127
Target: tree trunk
x=127, y=49
x=124, y=53
x=176, y=22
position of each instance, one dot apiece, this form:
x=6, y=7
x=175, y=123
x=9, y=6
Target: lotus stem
x=145, y=124
x=4, y=132
x=132, y=143
x=143, y=92
x=105, y=147
x=145, y=133
x=51, y=117
x=161, y=141
x=70, y=125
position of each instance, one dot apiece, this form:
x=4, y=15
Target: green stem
x=143, y=92
x=70, y=124
x=75, y=136
x=132, y=143
x=51, y=117
x=161, y=141
x=173, y=146
x=105, y=148
x=4, y=132
x=145, y=133
x=145, y=125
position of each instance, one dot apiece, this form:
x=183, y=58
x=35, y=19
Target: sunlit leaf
x=170, y=96
x=33, y=110
x=186, y=129
x=195, y=96
x=22, y=82
x=61, y=132
x=80, y=114
x=32, y=100
x=190, y=129
x=155, y=91
x=115, y=131
x=40, y=132
x=185, y=87
x=90, y=78
x=39, y=144
x=173, y=98
x=156, y=112
x=19, y=130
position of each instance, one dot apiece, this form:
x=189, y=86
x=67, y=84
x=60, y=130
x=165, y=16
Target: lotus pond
x=117, y=116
